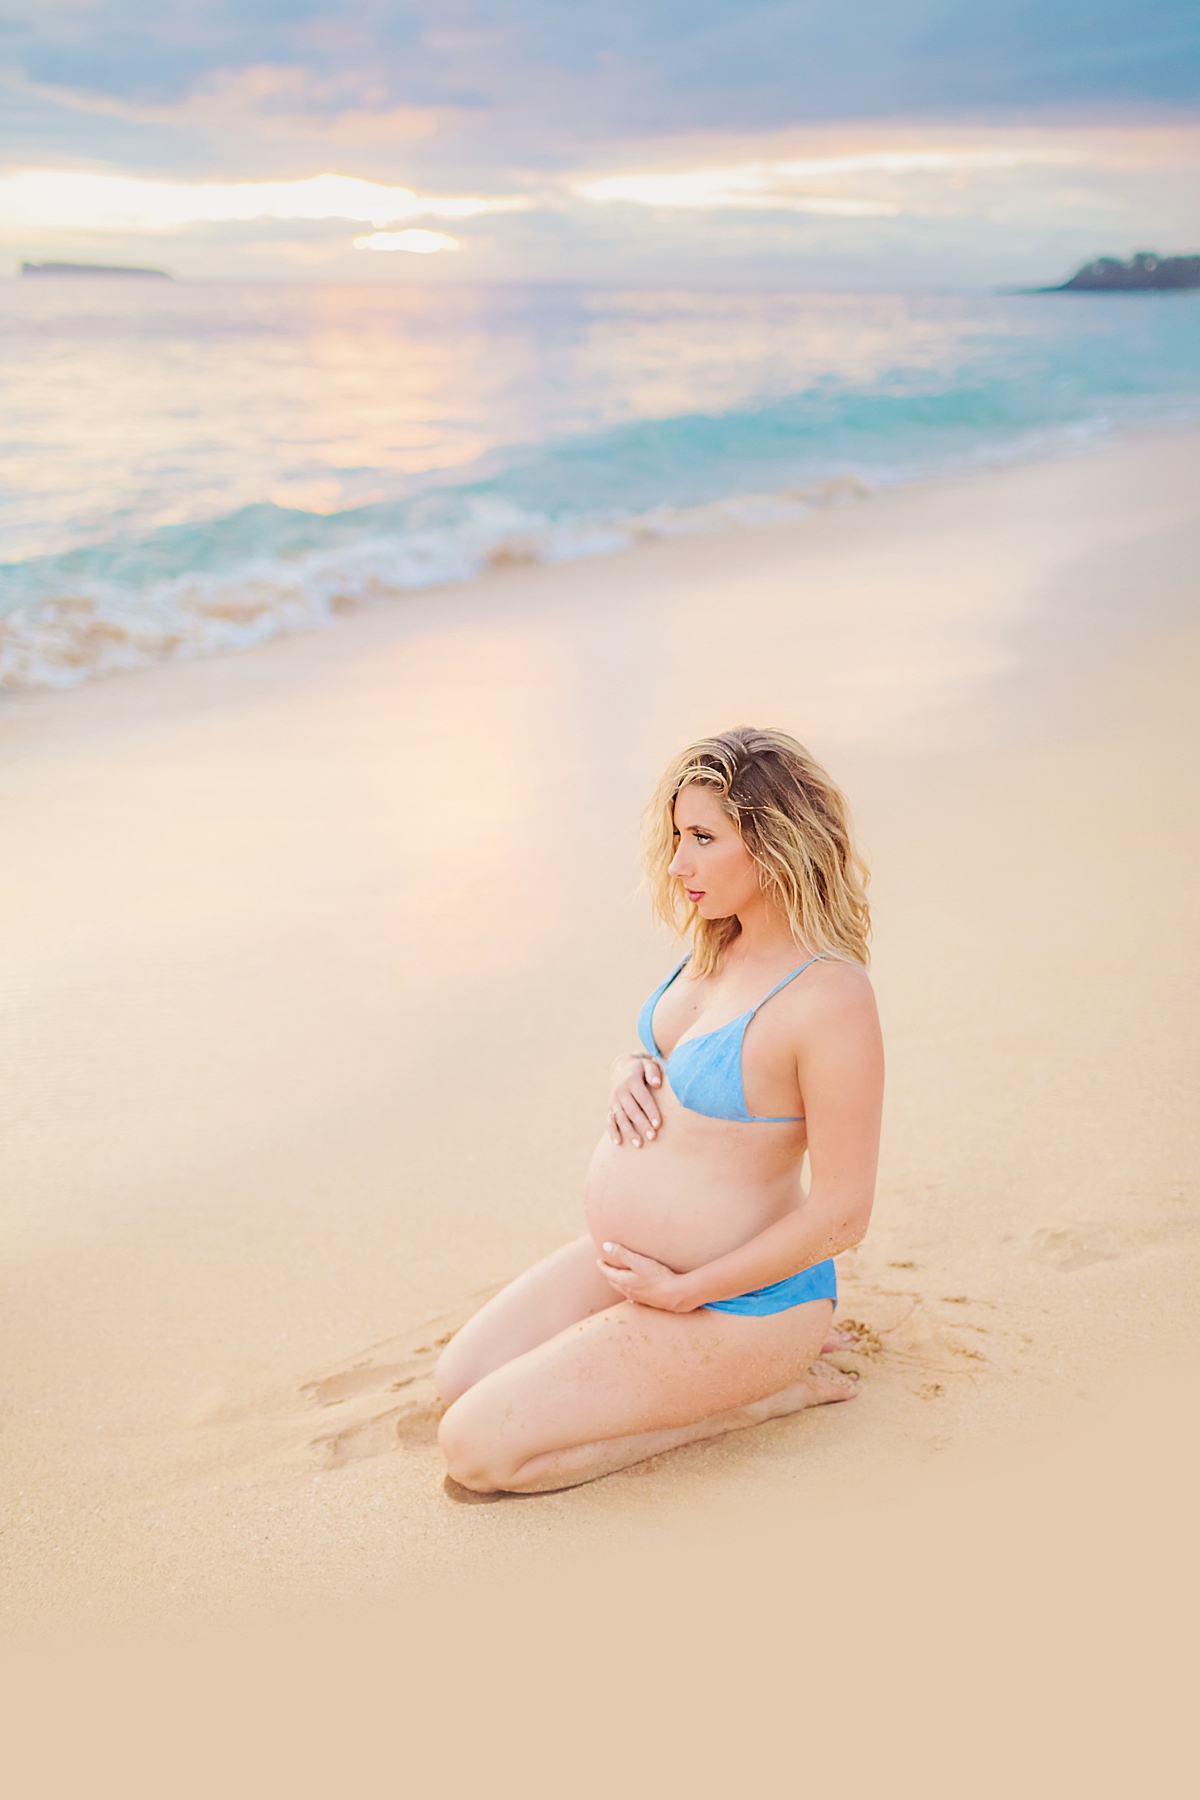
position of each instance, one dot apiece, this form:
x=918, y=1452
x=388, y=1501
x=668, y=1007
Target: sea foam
x=487, y=431
x=96, y=626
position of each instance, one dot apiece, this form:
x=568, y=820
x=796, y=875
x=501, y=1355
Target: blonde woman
x=703, y=1292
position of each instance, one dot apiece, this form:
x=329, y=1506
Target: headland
x=101, y=270
x=1144, y=273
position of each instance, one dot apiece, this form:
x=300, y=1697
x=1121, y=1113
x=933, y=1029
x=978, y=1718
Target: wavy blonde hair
x=794, y=822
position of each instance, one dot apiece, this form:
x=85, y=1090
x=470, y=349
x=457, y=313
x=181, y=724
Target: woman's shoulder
x=841, y=974
x=828, y=1013
x=832, y=988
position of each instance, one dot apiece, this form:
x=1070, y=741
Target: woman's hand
x=643, y=1281
x=633, y=1113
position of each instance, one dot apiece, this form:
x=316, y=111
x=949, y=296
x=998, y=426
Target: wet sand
x=316, y=957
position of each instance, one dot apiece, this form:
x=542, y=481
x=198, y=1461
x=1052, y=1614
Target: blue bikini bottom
x=817, y=1283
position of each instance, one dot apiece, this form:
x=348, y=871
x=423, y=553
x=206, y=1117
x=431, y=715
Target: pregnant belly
x=682, y=1208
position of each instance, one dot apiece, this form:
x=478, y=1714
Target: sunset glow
x=65, y=200
x=421, y=243
x=761, y=185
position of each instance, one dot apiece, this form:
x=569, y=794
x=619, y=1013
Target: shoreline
x=69, y=638
x=296, y=933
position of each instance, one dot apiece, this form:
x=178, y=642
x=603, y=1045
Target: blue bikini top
x=706, y=1072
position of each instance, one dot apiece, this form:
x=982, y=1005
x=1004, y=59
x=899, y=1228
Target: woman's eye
x=702, y=838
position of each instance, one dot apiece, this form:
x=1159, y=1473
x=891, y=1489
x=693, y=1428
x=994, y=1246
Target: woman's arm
x=839, y=1062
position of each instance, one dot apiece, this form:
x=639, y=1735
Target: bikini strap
x=786, y=979
x=677, y=970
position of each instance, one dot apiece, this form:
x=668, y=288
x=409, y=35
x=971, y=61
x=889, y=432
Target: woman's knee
x=453, y=1374
x=465, y=1445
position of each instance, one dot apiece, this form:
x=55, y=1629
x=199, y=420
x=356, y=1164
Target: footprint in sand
x=379, y=1400
x=1071, y=1247
x=415, y=1425
x=913, y=1335
x=363, y=1378
x=853, y=1335
x=361, y=1394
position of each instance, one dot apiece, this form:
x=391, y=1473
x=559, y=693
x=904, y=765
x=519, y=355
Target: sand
x=315, y=960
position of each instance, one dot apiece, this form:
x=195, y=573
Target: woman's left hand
x=643, y=1281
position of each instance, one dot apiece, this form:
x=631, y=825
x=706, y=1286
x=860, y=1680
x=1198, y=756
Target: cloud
x=82, y=200
x=559, y=74
x=420, y=243
x=774, y=185
x=706, y=188
x=886, y=135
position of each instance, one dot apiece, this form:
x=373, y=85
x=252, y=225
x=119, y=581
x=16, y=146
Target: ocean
x=194, y=467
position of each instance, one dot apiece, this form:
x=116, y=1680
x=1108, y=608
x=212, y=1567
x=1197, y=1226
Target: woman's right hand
x=633, y=1112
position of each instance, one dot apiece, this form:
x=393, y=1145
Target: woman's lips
x=695, y=895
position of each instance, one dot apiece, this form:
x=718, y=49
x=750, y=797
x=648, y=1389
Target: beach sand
x=316, y=959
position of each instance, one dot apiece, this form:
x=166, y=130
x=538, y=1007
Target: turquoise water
x=194, y=468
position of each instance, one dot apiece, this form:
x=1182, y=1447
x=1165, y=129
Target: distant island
x=1143, y=273
x=57, y=268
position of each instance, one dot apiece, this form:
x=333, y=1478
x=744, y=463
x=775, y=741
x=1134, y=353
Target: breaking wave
x=225, y=583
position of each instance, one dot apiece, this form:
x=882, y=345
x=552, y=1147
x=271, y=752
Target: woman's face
x=716, y=870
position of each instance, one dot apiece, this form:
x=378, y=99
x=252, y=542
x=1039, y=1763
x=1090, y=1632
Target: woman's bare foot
x=820, y=1387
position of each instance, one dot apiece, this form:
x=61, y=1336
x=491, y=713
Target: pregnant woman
x=705, y=1288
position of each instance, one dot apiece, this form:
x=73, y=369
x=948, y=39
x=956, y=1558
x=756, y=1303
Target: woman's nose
x=677, y=865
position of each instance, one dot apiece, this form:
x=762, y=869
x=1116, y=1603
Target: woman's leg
x=627, y=1383
x=564, y=1288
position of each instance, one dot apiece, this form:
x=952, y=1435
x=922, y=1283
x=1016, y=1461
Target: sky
x=867, y=143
